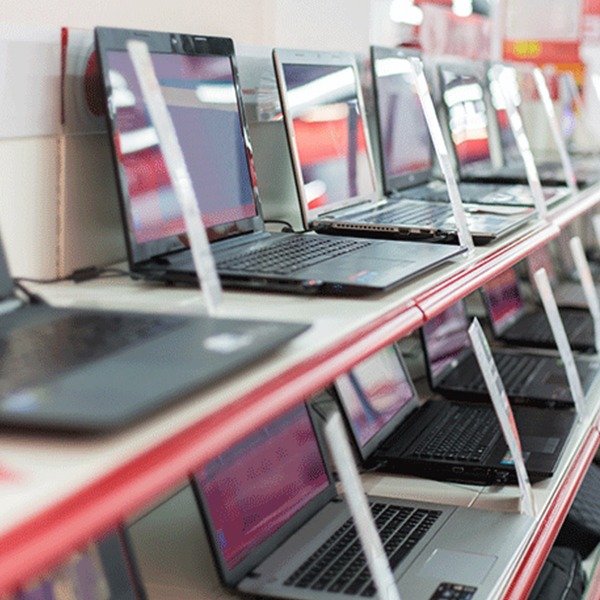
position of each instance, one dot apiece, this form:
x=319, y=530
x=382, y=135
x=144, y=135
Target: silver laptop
x=278, y=528
x=333, y=163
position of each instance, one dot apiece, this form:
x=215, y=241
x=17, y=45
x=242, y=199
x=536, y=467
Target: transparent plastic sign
x=435, y=131
x=202, y=257
x=559, y=140
x=503, y=83
x=587, y=281
x=504, y=413
x=560, y=336
x=377, y=560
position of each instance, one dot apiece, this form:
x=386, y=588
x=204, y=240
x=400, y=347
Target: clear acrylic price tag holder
x=435, y=131
x=504, y=413
x=202, y=257
x=559, y=140
x=377, y=560
x=502, y=81
x=562, y=341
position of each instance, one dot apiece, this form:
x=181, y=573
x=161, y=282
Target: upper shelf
x=58, y=493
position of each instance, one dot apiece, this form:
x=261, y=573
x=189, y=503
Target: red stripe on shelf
x=39, y=544
x=546, y=531
x=64, y=42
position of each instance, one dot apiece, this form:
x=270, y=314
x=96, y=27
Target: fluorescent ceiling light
x=462, y=8
x=405, y=11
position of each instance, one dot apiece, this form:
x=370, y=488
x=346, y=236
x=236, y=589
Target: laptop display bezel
x=370, y=446
x=110, y=39
x=392, y=183
x=231, y=576
x=281, y=57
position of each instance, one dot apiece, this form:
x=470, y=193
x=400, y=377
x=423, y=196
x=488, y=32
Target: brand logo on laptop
x=226, y=343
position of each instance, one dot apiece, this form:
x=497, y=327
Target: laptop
x=278, y=528
x=90, y=371
x=405, y=148
x=464, y=100
x=332, y=159
x=550, y=171
x=199, y=80
x=567, y=292
x=103, y=570
x=440, y=439
x=514, y=322
x=530, y=376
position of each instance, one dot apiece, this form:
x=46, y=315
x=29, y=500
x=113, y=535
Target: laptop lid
x=503, y=300
x=254, y=495
x=198, y=77
x=327, y=131
x=463, y=96
x=404, y=140
x=445, y=339
x=375, y=397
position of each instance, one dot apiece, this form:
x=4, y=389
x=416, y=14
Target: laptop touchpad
x=458, y=567
x=540, y=444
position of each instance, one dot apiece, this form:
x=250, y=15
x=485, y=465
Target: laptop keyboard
x=340, y=566
x=535, y=326
x=424, y=215
x=465, y=434
x=515, y=370
x=290, y=254
x=30, y=354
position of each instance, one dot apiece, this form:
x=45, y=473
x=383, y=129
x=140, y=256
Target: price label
x=501, y=80
x=441, y=150
x=202, y=257
x=562, y=341
x=503, y=410
x=377, y=560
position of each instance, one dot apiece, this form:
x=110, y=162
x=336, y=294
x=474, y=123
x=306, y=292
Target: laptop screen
x=445, y=337
x=404, y=135
x=255, y=488
x=374, y=393
x=203, y=101
x=464, y=99
x=330, y=140
x=503, y=300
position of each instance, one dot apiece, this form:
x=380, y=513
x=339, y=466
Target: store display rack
x=60, y=493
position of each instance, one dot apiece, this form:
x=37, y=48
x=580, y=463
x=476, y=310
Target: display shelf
x=59, y=494
x=576, y=206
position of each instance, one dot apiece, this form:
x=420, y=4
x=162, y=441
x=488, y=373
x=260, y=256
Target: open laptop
x=199, y=80
x=440, y=439
x=567, y=291
x=514, y=322
x=104, y=569
x=405, y=147
x=587, y=169
x=530, y=376
x=93, y=371
x=332, y=158
x=278, y=528
x=464, y=100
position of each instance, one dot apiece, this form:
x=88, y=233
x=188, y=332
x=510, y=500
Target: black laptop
x=278, y=528
x=440, y=439
x=94, y=371
x=104, y=569
x=199, y=81
x=333, y=165
x=514, y=322
x=405, y=147
x=586, y=169
x=464, y=100
x=530, y=376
